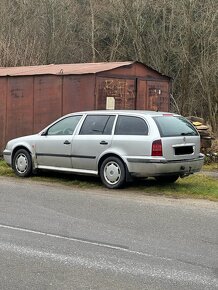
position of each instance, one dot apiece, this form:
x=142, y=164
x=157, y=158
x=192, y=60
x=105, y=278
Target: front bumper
x=7, y=156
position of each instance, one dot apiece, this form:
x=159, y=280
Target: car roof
x=129, y=112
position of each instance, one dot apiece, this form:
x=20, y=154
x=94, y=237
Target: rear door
x=93, y=139
x=131, y=136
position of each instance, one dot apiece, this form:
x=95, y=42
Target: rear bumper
x=147, y=167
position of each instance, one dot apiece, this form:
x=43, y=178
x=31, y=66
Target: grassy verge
x=55, y=177
x=5, y=170
x=195, y=186
x=211, y=167
x=198, y=186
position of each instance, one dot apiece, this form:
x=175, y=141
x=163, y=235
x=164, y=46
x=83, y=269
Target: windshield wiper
x=187, y=134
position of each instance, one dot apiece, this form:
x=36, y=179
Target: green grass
x=195, y=186
x=68, y=179
x=5, y=170
x=211, y=167
x=61, y=178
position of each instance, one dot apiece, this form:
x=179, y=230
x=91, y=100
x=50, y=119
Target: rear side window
x=97, y=125
x=130, y=125
x=170, y=126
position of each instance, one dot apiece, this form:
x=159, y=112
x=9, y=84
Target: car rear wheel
x=112, y=173
x=167, y=178
x=22, y=163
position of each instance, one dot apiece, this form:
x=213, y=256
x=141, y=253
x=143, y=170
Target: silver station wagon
x=115, y=145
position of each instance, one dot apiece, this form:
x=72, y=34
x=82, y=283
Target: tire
x=113, y=173
x=22, y=163
x=167, y=178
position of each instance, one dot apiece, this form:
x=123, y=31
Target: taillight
x=157, y=148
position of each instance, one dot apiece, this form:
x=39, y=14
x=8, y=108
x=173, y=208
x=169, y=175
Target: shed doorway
x=152, y=95
x=116, y=94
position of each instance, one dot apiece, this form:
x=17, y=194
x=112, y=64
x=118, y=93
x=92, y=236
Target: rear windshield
x=174, y=126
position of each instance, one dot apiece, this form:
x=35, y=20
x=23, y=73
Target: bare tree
x=178, y=38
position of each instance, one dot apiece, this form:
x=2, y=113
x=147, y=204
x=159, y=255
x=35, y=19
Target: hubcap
x=112, y=172
x=21, y=163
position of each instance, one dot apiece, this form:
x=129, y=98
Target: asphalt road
x=55, y=237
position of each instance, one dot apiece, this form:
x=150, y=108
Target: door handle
x=66, y=142
x=103, y=143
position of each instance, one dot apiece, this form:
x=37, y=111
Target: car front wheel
x=22, y=163
x=112, y=173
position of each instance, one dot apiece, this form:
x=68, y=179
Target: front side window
x=170, y=126
x=65, y=126
x=130, y=125
x=97, y=125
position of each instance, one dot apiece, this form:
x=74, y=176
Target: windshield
x=174, y=126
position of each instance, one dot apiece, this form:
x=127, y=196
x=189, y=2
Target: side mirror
x=44, y=133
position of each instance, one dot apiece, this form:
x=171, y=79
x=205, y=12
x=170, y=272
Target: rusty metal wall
x=133, y=87
x=29, y=103
x=3, y=86
x=47, y=100
x=131, y=94
x=19, y=107
x=78, y=93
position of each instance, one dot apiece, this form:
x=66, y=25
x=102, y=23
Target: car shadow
x=94, y=181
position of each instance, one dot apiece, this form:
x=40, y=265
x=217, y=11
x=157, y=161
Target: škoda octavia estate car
x=115, y=145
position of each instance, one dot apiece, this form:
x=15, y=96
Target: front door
x=53, y=148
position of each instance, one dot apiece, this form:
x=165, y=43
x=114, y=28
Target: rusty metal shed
x=33, y=96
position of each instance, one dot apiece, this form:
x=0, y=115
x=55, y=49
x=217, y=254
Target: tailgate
x=180, y=148
x=180, y=140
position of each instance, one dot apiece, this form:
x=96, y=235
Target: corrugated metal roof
x=68, y=69
x=62, y=69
